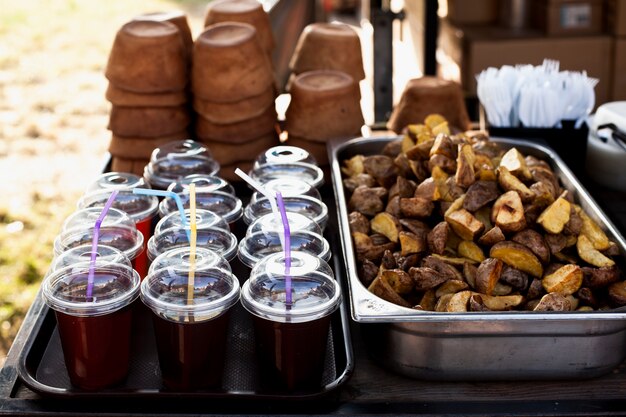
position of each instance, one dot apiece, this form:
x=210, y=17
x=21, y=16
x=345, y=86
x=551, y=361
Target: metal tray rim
x=372, y=309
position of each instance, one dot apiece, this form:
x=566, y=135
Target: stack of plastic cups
x=175, y=160
x=293, y=172
x=291, y=292
x=91, y=288
x=191, y=292
x=141, y=208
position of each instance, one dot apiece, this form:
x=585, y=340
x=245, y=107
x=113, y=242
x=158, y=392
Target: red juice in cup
x=190, y=321
x=94, y=331
x=141, y=208
x=291, y=337
x=117, y=230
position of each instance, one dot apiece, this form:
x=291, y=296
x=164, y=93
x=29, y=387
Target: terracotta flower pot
x=148, y=122
x=124, y=98
x=225, y=113
x=242, y=11
x=333, y=46
x=229, y=65
x=324, y=105
x=427, y=95
x=240, y=132
x=148, y=57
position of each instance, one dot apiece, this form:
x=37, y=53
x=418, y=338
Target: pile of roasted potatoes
x=455, y=223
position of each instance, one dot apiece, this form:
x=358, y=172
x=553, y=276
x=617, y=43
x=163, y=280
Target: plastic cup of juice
x=94, y=331
x=190, y=322
x=291, y=337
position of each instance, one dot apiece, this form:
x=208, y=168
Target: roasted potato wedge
x=501, y=302
x=589, y=254
x=465, y=224
x=458, y=303
x=553, y=302
x=398, y=280
x=488, y=275
x=593, y=232
x=555, y=216
x=382, y=289
x=565, y=280
x=368, y=201
x=508, y=212
x=425, y=278
x=470, y=250
x=411, y=243
x=535, y=242
x=518, y=256
x=387, y=225
x=510, y=182
x=515, y=163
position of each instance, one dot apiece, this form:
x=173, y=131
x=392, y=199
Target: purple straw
x=287, y=232
x=94, y=242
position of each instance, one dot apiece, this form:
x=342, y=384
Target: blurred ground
x=53, y=135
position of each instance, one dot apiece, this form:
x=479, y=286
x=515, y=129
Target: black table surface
x=371, y=390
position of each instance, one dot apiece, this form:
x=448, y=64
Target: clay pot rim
x=248, y=33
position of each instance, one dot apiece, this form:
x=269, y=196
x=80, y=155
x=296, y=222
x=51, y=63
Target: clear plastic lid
x=204, y=219
x=256, y=246
x=315, y=292
x=284, y=154
x=178, y=259
x=300, y=170
x=117, y=181
x=304, y=205
x=204, y=183
x=297, y=222
x=225, y=205
x=288, y=187
x=138, y=207
x=166, y=292
x=117, y=230
x=160, y=174
x=126, y=239
x=114, y=287
x=180, y=149
x=219, y=241
x=82, y=253
x=85, y=218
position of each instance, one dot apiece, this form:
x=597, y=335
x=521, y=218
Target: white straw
x=272, y=199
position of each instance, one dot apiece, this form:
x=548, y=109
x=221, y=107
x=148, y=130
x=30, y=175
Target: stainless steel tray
x=490, y=345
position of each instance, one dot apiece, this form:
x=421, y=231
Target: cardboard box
x=475, y=12
x=569, y=17
x=616, y=17
x=465, y=51
x=619, y=70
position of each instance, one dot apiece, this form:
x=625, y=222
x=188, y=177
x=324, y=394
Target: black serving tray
x=41, y=366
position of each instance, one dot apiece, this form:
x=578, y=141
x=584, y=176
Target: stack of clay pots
x=233, y=95
x=328, y=46
x=148, y=73
x=326, y=66
x=243, y=11
x=325, y=105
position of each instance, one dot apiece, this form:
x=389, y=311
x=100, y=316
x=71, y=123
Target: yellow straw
x=192, y=243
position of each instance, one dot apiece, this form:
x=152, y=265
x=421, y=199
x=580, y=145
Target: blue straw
x=171, y=194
